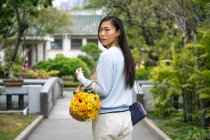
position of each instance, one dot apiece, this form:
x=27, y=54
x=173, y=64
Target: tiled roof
x=85, y=24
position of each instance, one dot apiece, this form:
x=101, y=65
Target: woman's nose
x=101, y=33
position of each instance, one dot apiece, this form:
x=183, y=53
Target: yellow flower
x=74, y=108
x=89, y=106
x=82, y=107
x=86, y=105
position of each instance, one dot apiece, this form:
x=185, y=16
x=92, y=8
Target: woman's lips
x=103, y=40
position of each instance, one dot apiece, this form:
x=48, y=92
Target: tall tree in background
x=15, y=17
x=49, y=21
x=187, y=14
x=147, y=23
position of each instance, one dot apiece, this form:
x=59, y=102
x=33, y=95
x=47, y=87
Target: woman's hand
x=79, y=71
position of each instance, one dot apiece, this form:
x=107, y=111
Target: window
x=57, y=44
x=76, y=43
x=92, y=41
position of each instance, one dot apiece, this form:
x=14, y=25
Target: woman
x=115, y=79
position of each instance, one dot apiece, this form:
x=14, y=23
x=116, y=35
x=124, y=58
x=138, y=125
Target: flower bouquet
x=85, y=105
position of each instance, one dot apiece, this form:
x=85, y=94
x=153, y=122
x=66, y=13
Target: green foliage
x=66, y=66
x=92, y=50
x=179, y=77
x=16, y=69
x=136, y=55
x=39, y=74
x=92, y=5
x=197, y=134
x=3, y=72
x=71, y=83
x=50, y=20
x=17, y=14
x=143, y=74
x=165, y=88
x=89, y=61
x=145, y=24
x=6, y=20
x=177, y=129
x=204, y=63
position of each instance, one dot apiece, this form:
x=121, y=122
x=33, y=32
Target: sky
x=56, y=3
x=68, y=4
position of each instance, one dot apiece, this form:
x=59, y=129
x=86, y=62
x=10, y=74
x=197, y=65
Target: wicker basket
x=79, y=95
x=76, y=116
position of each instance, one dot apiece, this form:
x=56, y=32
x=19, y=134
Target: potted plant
x=12, y=82
x=14, y=76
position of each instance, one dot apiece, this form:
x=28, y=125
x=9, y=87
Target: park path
x=60, y=126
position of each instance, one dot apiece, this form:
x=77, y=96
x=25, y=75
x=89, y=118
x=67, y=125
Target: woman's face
x=108, y=34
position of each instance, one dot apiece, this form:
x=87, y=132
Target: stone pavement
x=60, y=126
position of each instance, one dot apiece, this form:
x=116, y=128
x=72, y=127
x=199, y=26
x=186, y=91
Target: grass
x=177, y=129
x=70, y=83
x=11, y=125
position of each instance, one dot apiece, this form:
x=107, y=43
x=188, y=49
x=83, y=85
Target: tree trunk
x=205, y=121
x=22, y=19
x=16, y=45
x=187, y=105
x=184, y=105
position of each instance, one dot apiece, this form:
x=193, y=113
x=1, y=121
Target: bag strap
x=137, y=86
x=81, y=88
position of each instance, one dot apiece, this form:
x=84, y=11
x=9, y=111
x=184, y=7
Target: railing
x=30, y=81
x=41, y=95
x=51, y=91
x=146, y=96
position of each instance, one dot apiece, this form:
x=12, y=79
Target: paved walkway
x=60, y=126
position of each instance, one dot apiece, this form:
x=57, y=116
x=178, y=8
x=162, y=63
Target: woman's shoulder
x=111, y=53
x=105, y=55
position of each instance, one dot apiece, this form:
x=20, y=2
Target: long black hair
x=129, y=68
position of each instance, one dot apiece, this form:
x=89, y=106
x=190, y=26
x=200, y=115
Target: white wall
x=40, y=52
x=1, y=56
x=33, y=55
x=66, y=48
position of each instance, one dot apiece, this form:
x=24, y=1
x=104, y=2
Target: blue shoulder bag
x=137, y=112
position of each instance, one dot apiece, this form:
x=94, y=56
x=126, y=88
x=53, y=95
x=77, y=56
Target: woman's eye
x=106, y=29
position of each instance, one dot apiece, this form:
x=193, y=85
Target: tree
x=189, y=68
x=188, y=14
x=146, y=23
x=17, y=14
x=92, y=50
x=49, y=21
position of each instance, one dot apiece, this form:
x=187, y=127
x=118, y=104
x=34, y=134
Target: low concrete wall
x=40, y=95
x=51, y=91
x=147, y=96
x=32, y=98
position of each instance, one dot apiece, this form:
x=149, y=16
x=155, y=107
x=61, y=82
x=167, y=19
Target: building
x=84, y=29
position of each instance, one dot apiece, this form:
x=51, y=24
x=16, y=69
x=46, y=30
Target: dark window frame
x=92, y=41
x=76, y=44
x=57, y=44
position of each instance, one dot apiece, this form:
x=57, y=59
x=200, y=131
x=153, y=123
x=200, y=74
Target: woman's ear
x=118, y=33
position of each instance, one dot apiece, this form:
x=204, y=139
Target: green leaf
x=204, y=95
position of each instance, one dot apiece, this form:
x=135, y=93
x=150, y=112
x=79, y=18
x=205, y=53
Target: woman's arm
x=104, y=77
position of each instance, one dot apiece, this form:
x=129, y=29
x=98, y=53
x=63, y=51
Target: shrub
x=89, y=61
x=39, y=74
x=92, y=50
x=4, y=72
x=66, y=66
x=143, y=74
